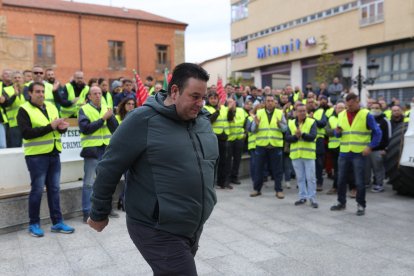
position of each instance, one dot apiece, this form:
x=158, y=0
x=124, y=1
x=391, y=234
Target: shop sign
x=294, y=45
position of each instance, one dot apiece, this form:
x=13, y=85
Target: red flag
x=142, y=93
x=220, y=91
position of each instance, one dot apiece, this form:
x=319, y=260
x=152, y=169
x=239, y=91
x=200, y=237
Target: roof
x=91, y=9
x=214, y=59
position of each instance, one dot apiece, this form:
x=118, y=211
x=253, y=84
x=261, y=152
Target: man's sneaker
x=377, y=189
x=332, y=191
x=62, y=228
x=235, y=181
x=287, y=185
x=85, y=217
x=353, y=193
x=360, y=211
x=113, y=214
x=35, y=230
x=280, y=195
x=314, y=204
x=338, y=207
x=300, y=202
x=319, y=188
x=255, y=193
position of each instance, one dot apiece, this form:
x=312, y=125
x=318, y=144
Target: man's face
x=352, y=105
x=28, y=76
x=284, y=99
x=6, y=76
x=288, y=90
x=189, y=103
x=336, y=80
x=396, y=112
x=248, y=105
x=270, y=103
x=78, y=78
x=229, y=89
x=255, y=92
x=310, y=105
x=157, y=87
x=383, y=104
x=128, y=86
x=213, y=100
x=238, y=91
x=18, y=78
x=323, y=102
x=301, y=112
x=50, y=76
x=37, y=96
x=311, y=95
x=38, y=74
x=339, y=108
x=322, y=86
x=95, y=95
x=104, y=86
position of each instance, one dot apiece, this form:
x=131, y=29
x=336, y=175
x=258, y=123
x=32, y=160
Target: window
x=116, y=59
x=371, y=12
x=162, y=61
x=396, y=62
x=45, y=50
x=239, y=10
x=239, y=47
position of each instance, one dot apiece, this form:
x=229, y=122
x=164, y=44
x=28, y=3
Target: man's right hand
x=56, y=122
x=97, y=225
x=108, y=114
x=338, y=130
x=257, y=120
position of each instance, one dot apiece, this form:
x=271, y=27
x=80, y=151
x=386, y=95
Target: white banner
x=407, y=157
x=71, y=146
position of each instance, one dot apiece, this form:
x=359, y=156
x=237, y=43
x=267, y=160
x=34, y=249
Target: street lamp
x=360, y=80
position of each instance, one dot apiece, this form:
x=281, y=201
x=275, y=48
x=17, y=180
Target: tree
x=328, y=66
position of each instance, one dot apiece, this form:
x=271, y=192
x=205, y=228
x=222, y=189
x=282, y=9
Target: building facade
x=280, y=41
x=100, y=40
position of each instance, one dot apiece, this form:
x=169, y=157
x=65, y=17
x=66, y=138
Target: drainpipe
x=137, y=41
x=80, y=41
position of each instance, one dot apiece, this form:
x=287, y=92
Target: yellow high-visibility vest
x=333, y=140
x=302, y=149
x=357, y=136
x=237, y=125
x=2, y=111
x=11, y=111
x=317, y=115
x=251, y=137
x=46, y=143
x=269, y=134
x=101, y=136
x=221, y=124
x=74, y=109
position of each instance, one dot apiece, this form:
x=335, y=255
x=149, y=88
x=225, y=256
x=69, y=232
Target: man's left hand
x=366, y=151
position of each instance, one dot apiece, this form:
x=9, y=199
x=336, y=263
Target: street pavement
x=244, y=236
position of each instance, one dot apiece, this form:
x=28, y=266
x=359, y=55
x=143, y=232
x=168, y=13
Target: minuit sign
x=294, y=45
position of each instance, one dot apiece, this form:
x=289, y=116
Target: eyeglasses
x=38, y=73
x=130, y=104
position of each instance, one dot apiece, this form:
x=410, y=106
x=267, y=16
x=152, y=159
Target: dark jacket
x=171, y=167
x=385, y=127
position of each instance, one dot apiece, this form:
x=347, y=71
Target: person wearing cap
x=219, y=119
x=116, y=87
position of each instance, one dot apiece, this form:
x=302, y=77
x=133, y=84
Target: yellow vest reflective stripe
x=269, y=133
x=74, y=109
x=388, y=113
x=333, y=140
x=318, y=116
x=2, y=111
x=236, y=127
x=11, y=111
x=251, y=137
x=100, y=137
x=221, y=124
x=46, y=143
x=302, y=149
x=356, y=137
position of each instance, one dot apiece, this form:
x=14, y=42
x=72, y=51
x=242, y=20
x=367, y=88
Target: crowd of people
x=305, y=134
x=288, y=133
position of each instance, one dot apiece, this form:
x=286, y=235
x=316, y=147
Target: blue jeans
x=3, y=143
x=44, y=170
x=273, y=157
x=305, y=176
x=320, y=160
x=287, y=167
x=89, y=168
x=345, y=167
x=252, y=164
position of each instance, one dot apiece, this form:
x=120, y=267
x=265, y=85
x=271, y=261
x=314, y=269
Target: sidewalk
x=244, y=236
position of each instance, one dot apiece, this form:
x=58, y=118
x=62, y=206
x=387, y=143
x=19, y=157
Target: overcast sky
x=208, y=33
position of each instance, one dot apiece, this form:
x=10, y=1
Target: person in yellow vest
x=301, y=135
x=385, y=109
x=358, y=133
x=96, y=124
x=149, y=82
x=15, y=100
x=41, y=129
x=107, y=98
x=27, y=76
x=251, y=138
x=6, y=78
x=73, y=96
x=333, y=144
x=157, y=88
x=269, y=125
x=318, y=114
x=219, y=120
x=237, y=135
x=38, y=75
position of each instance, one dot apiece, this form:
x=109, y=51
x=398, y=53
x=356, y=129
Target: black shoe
x=235, y=181
x=314, y=205
x=360, y=211
x=338, y=207
x=229, y=187
x=300, y=202
x=85, y=217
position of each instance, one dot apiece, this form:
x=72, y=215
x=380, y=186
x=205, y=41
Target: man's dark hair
x=149, y=78
x=30, y=88
x=183, y=72
x=351, y=96
x=101, y=80
x=27, y=71
x=126, y=81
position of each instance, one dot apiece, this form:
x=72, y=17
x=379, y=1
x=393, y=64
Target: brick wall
x=81, y=41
